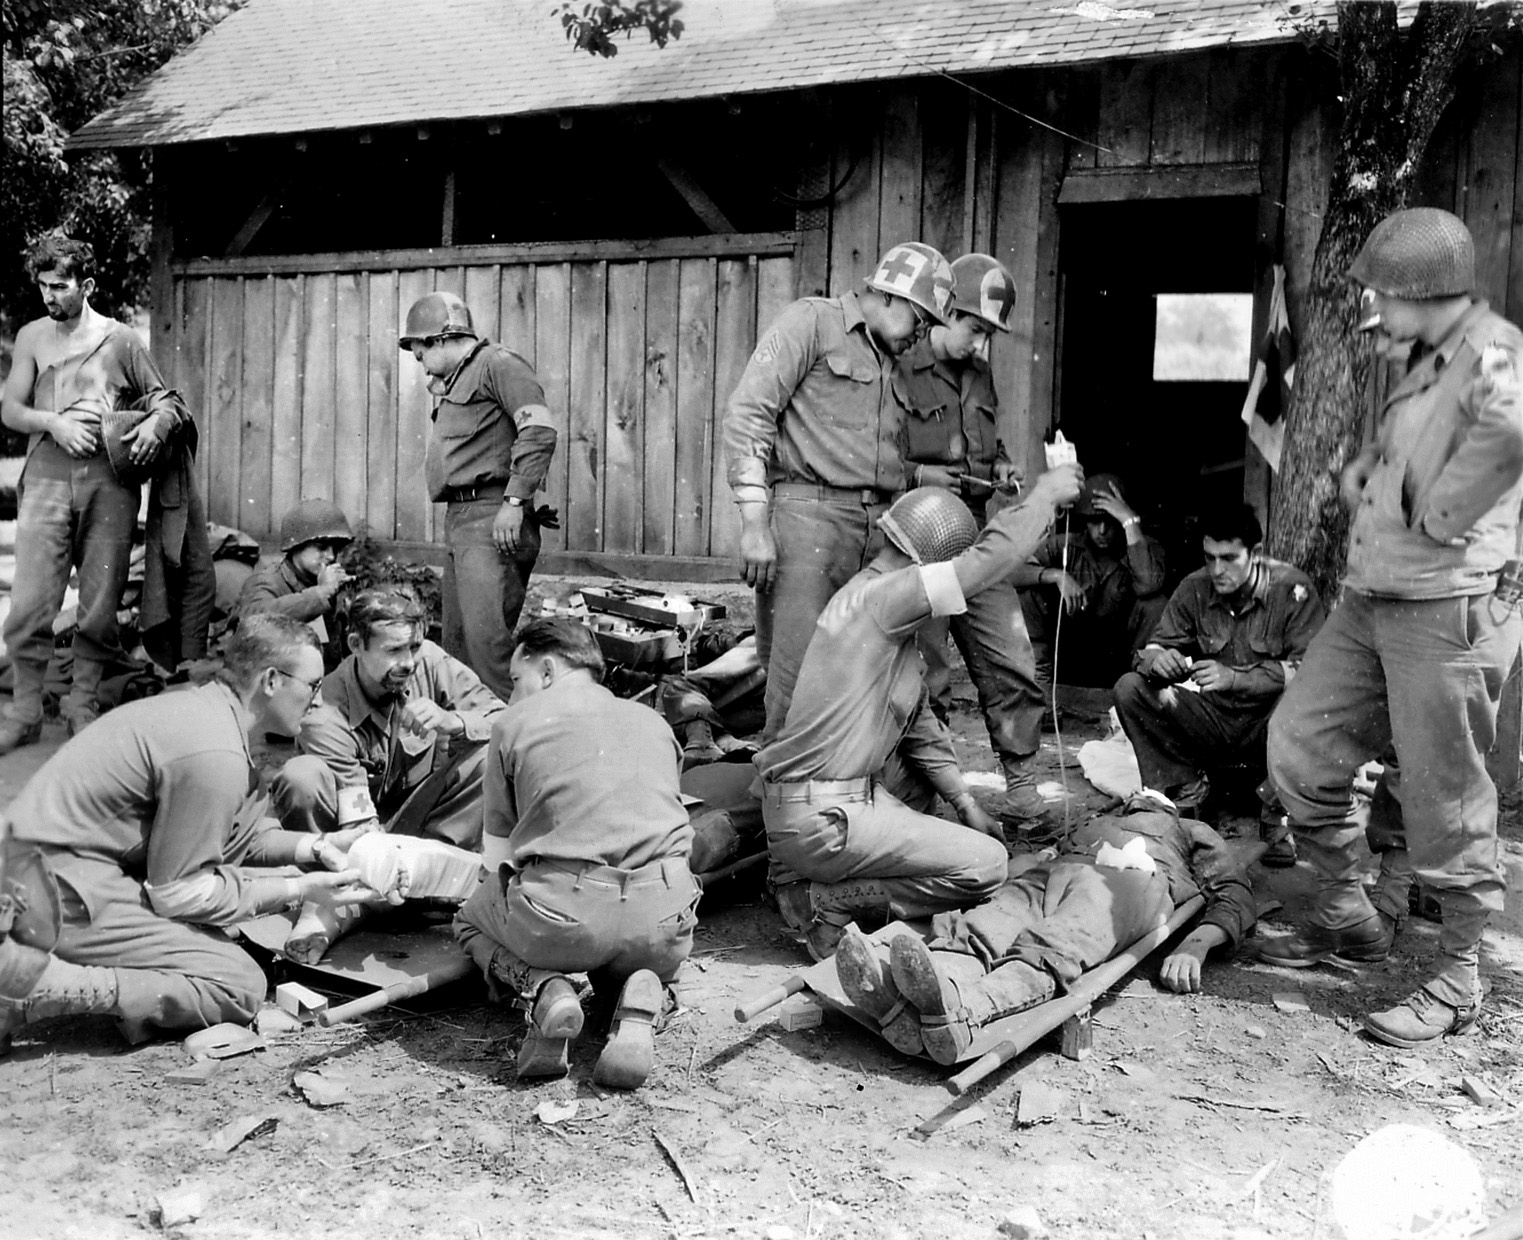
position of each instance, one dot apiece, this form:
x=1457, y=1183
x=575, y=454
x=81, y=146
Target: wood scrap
x=689, y=1182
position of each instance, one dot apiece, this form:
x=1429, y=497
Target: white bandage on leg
x=942, y=589
x=402, y=867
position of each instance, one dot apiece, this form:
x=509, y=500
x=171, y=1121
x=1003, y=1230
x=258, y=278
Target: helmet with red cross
x=918, y=273
x=983, y=287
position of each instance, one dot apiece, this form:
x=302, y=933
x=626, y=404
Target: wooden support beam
x=697, y=199
x=709, y=245
x=258, y=218
x=447, y=224
x=1173, y=181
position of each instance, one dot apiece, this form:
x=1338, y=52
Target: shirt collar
x=239, y=712
x=1441, y=354
x=1254, y=595
x=443, y=387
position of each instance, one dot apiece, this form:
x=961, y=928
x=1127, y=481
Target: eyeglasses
x=923, y=320
x=313, y=686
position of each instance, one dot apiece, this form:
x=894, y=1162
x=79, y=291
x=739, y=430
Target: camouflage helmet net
x=929, y=524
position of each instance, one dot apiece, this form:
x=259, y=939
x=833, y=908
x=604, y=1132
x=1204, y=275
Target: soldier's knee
x=237, y=987
x=986, y=866
x=305, y=783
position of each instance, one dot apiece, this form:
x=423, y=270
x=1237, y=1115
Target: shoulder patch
x=1499, y=365
x=767, y=350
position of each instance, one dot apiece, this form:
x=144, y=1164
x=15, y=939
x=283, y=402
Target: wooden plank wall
x=303, y=391
x=965, y=170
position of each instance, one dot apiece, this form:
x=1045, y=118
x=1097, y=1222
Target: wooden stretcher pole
x=450, y=971
x=1043, y=1020
x=745, y=1011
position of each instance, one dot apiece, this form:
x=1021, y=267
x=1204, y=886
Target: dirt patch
x=1163, y=1131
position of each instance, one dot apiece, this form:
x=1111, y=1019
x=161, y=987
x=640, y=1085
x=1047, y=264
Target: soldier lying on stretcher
x=1119, y=877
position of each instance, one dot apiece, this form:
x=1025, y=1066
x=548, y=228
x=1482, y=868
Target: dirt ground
x=1215, y=1115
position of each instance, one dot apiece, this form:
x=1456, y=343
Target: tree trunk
x=1395, y=86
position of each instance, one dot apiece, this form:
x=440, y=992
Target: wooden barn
x=631, y=224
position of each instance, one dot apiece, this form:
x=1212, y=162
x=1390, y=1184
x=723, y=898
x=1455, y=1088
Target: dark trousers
x=484, y=590
x=1424, y=676
x=991, y=636
x=1092, y=650
x=83, y=521
x=1178, y=734
x=824, y=539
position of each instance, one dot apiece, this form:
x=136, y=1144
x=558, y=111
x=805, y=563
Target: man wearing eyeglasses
x=141, y=833
x=488, y=452
x=814, y=441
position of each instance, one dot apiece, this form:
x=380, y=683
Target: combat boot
x=699, y=747
x=1279, y=846
x=1022, y=800
x=1365, y=942
x=631, y=1050
x=862, y=967
x=62, y=989
x=1419, y=1019
x=14, y=734
x=554, y=1020
x=952, y=1009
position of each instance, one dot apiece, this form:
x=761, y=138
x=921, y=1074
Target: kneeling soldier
x=586, y=845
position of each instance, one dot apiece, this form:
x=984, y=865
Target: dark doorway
x=1177, y=442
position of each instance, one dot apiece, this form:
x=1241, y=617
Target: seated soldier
x=303, y=582
x=401, y=718
x=1119, y=878
x=843, y=840
x=139, y=835
x=1230, y=638
x=586, y=849
x=1107, y=578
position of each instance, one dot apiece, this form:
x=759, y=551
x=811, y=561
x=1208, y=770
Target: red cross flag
x=1274, y=373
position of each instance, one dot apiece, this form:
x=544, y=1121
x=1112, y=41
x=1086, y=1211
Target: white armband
x=942, y=589
x=494, y=852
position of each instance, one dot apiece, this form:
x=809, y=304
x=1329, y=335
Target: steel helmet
x=1417, y=254
x=917, y=273
x=437, y=314
x=1085, y=505
x=983, y=287
x=314, y=520
x=929, y=524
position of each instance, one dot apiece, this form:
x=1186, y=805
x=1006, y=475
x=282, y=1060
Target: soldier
x=303, y=582
x=1230, y=639
x=139, y=837
x=586, y=849
x=952, y=440
x=488, y=453
x=400, y=718
x=1107, y=578
x=1420, y=643
x=846, y=784
x=813, y=439
x=74, y=372
x=1120, y=876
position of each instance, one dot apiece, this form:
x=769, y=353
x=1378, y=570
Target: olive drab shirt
x=1439, y=514
x=363, y=741
x=952, y=411
x=1262, y=637
x=491, y=426
x=816, y=404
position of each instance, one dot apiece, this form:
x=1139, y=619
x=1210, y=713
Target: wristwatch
x=514, y=501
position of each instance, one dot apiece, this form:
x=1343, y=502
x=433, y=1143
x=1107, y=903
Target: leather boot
x=14, y=734
x=1419, y=1019
x=631, y=1050
x=554, y=1021
x=952, y=1008
x=62, y=989
x=1365, y=942
x=862, y=967
x=698, y=747
x=1022, y=800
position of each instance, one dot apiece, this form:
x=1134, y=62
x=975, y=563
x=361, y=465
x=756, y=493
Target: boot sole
x=1410, y=1044
x=558, y=1016
x=910, y=962
x=631, y=1051
x=540, y=1056
x=861, y=975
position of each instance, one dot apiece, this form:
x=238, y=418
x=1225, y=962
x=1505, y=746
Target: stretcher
x=390, y=964
x=1000, y=1041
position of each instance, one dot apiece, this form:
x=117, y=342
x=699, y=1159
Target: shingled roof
x=294, y=66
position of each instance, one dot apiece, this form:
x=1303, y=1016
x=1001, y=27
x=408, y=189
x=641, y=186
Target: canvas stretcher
x=1002, y=1040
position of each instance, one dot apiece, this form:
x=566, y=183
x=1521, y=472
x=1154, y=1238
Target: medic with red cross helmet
x=813, y=437
x=952, y=439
